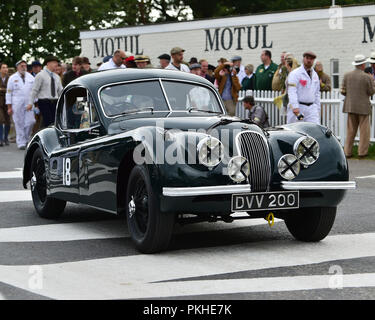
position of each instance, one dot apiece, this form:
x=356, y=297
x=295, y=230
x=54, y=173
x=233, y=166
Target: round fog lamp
x=306, y=150
x=210, y=152
x=289, y=166
x=238, y=169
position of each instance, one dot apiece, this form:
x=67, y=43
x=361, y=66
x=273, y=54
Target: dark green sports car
x=158, y=146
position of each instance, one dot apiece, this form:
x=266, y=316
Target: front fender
x=331, y=165
x=46, y=140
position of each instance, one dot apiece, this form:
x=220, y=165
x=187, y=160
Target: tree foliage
x=63, y=19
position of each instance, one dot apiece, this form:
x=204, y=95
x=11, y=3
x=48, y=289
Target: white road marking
x=129, y=277
x=100, y=230
x=65, y=232
x=10, y=174
x=366, y=177
x=15, y=195
x=209, y=287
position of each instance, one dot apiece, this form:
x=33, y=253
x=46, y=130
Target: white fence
x=331, y=108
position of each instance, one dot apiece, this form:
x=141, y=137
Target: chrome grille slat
x=255, y=149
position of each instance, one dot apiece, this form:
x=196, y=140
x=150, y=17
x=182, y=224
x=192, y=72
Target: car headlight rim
x=216, y=148
x=307, y=150
x=289, y=166
x=238, y=169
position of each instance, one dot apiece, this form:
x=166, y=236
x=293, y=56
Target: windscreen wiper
x=201, y=110
x=134, y=112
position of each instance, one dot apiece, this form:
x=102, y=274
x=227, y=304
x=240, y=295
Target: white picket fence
x=331, y=106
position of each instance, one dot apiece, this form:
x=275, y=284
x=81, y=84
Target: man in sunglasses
x=116, y=62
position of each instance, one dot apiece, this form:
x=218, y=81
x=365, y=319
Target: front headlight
x=238, y=169
x=210, y=152
x=306, y=150
x=289, y=166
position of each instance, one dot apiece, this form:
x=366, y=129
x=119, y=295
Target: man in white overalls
x=304, y=92
x=17, y=98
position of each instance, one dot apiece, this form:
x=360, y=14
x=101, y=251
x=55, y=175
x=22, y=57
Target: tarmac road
x=87, y=254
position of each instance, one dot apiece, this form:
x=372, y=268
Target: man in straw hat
x=358, y=87
x=142, y=61
x=371, y=68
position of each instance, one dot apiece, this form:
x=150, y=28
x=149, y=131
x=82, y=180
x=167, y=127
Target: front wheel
x=150, y=229
x=46, y=206
x=311, y=224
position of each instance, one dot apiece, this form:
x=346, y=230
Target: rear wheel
x=150, y=229
x=46, y=206
x=311, y=224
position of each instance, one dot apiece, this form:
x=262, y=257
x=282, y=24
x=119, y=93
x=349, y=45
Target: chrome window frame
x=160, y=80
x=58, y=112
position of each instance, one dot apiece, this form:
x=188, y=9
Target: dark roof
x=95, y=80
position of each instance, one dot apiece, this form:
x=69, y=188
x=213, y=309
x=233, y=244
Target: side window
x=76, y=113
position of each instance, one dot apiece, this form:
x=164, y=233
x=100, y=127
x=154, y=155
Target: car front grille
x=254, y=148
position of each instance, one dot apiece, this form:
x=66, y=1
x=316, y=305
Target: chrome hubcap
x=33, y=182
x=132, y=207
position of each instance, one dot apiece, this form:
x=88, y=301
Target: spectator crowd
x=29, y=92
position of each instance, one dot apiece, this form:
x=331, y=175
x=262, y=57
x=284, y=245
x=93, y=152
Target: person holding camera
x=240, y=69
x=229, y=85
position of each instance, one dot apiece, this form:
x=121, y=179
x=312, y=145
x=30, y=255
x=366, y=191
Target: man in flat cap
x=17, y=97
x=165, y=60
x=176, y=64
x=46, y=89
x=196, y=68
x=36, y=67
x=241, y=74
x=358, y=87
x=304, y=92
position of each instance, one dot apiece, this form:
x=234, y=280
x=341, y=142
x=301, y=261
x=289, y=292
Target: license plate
x=265, y=201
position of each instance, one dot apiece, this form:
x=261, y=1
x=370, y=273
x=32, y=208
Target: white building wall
x=295, y=32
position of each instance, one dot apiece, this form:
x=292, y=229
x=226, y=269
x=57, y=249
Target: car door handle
x=63, y=137
x=88, y=162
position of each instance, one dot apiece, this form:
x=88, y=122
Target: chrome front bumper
x=246, y=188
x=206, y=191
x=318, y=185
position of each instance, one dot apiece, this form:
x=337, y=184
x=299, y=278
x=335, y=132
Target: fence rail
x=331, y=111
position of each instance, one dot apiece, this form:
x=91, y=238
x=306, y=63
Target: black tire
x=46, y=206
x=311, y=224
x=150, y=229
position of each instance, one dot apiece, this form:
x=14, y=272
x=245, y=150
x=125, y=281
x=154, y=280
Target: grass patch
x=371, y=152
